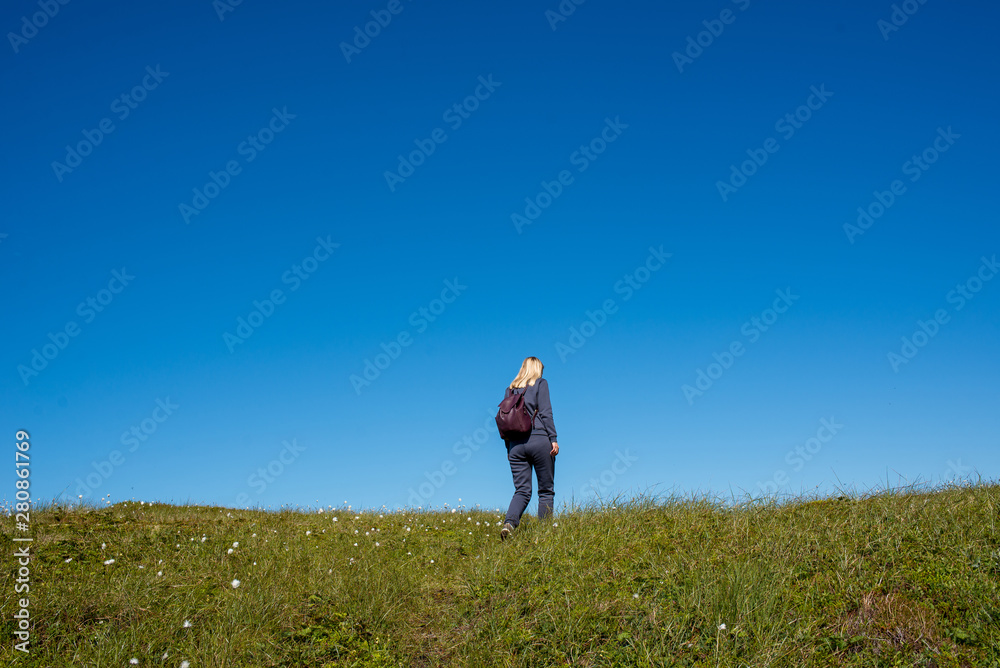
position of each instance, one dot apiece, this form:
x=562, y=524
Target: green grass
x=893, y=578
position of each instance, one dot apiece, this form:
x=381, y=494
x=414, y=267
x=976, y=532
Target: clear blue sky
x=166, y=167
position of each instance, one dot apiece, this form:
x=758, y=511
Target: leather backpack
x=513, y=420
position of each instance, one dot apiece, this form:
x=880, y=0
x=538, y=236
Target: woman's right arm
x=545, y=410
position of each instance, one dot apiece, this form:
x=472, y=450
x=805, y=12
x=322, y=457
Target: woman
x=538, y=451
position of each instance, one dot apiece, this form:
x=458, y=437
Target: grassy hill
x=895, y=578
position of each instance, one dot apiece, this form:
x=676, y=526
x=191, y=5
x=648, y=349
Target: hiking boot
x=507, y=530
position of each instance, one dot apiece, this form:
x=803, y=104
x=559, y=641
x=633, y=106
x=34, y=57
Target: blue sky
x=221, y=217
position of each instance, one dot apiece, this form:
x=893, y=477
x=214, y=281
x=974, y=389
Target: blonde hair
x=531, y=370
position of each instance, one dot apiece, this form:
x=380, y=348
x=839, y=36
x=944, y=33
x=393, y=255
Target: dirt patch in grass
x=887, y=620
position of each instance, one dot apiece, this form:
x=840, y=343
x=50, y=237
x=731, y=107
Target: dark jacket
x=537, y=397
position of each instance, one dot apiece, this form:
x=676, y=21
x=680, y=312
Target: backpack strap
x=536, y=410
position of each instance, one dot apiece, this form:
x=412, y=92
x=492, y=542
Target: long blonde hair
x=531, y=370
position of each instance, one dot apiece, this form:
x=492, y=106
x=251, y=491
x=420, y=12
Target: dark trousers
x=535, y=453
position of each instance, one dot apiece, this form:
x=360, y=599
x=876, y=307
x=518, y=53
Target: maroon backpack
x=513, y=419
